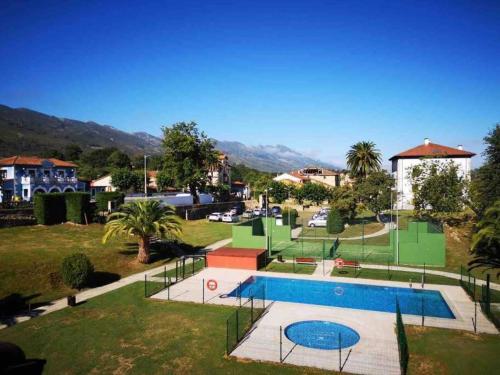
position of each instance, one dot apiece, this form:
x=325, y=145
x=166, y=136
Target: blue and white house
x=24, y=176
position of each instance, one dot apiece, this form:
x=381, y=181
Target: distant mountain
x=23, y=131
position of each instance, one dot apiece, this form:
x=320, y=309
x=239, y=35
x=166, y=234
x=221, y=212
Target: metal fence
x=468, y=282
x=487, y=297
x=241, y=321
x=404, y=355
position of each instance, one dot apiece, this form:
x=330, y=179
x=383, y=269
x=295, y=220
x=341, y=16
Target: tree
x=314, y=192
x=118, y=159
x=143, y=220
x=187, y=155
x=375, y=191
x=278, y=191
x=486, y=241
x=363, y=158
x=334, y=222
x=126, y=180
x=164, y=181
x=72, y=152
x=220, y=192
x=343, y=198
x=56, y=154
x=485, y=182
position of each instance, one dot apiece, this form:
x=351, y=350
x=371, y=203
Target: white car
x=256, y=212
x=319, y=222
x=248, y=214
x=215, y=216
x=230, y=218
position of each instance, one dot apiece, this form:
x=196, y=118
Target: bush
x=334, y=223
x=77, y=206
x=102, y=198
x=50, y=208
x=293, y=216
x=76, y=270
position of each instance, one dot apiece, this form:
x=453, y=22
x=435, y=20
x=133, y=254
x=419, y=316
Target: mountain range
x=24, y=131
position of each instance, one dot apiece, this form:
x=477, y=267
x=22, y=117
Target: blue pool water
x=354, y=296
x=321, y=334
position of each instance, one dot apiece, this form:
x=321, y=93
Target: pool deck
x=375, y=353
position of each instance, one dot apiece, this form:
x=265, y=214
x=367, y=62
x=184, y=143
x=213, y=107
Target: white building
x=403, y=162
x=220, y=174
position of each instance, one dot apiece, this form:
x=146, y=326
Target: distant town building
x=220, y=174
x=25, y=176
x=403, y=162
x=101, y=184
x=317, y=175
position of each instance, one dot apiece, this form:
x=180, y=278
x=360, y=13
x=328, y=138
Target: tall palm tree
x=363, y=158
x=486, y=241
x=143, y=220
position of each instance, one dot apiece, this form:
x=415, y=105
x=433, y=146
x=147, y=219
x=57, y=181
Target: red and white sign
x=339, y=262
x=212, y=284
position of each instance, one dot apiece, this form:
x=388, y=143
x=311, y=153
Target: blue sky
x=317, y=76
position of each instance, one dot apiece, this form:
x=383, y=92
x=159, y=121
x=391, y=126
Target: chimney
x=427, y=141
x=460, y=147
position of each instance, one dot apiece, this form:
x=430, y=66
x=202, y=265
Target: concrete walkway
x=384, y=230
x=324, y=268
x=94, y=292
x=451, y=275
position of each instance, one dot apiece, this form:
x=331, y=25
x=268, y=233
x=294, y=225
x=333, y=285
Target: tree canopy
x=375, y=191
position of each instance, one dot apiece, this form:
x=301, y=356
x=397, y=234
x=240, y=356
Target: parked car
x=248, y=214
x=215, y=216
x=319, y=222
x=256, y=212
x=238, y=210
x=276, y=210
x=228, y=217
x=325, y=210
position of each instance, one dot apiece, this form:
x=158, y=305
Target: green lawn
x=289, y=268
x=123, y=333
x=32, y=255
x=446, y=351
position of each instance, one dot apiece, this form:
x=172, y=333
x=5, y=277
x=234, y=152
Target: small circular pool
x=321, y=334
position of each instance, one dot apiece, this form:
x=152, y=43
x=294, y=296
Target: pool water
x=320, y=334
x=355, y=296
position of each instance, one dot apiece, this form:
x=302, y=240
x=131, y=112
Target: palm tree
x=486, y=241
x=363, y=158
x=143, y=219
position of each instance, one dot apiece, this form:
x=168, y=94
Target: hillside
x=28, y=132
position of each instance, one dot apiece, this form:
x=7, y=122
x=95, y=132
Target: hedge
x=76, y=270
x=77, y=206
x=50, y=208
x=102, y=198
x=293, y=216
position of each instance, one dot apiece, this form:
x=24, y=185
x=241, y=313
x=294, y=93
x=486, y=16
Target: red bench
x=305, y=261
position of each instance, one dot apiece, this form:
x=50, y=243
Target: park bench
x=302, y=260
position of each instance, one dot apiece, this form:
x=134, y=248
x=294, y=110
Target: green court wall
x=251, y=233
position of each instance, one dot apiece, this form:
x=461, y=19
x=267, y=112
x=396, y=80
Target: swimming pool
x=354, y=296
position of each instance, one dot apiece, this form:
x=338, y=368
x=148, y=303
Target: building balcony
x=30, y=180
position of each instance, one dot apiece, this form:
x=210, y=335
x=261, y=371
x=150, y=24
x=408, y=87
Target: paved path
x=296, y=232
x=94, y=292
x=451, y=275
x=381, y=232
x=325, y=270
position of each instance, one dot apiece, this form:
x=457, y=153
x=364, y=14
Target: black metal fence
x=487, y=297
x=239, y=322
x=404, y=354
x=468, y=282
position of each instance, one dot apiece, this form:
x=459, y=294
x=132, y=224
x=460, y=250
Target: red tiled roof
x=33, y=160
x=432, y=149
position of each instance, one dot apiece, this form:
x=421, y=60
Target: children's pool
x=354, y=296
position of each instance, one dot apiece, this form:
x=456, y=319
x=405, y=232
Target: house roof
x=433, y=150
x=33, y=160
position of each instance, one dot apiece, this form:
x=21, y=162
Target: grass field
x=289, y=268
x=32, y=255
x=446, y=351
x=123, y=333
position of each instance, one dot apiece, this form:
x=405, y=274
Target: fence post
x=168, y=289
x=237, y=327
x=423, y=279
x=251, y=308
x=281, y=344
x=340, y=352
x=474, y=289
x=165, y=277
x=145, y=286
x=176, y=272
x=203, y=290
x=488, y=296
x=239, y=292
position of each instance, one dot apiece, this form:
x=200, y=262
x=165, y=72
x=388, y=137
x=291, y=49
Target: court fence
x=404, y=354
x=487, y=297
x=240, y=322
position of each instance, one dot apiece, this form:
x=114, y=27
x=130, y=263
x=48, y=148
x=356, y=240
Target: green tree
x=363, y=158
x=164, y=181
x=119, y=159
x=72, y=152
x=56, y=154
x=344, y=199
x=126, y=180
x=143, y=220
x=486, y=241
x=278, y=191
x=485, y=182
x=437, y=188
x=187, y=156
x=375, y=191
x=334, y=222
x=220, y=192
x=315, y=193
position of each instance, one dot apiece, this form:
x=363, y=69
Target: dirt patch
x=423, y=365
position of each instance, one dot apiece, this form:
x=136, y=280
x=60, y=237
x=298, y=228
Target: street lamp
x=145, y=177
x=268, y=248
x=397, y=223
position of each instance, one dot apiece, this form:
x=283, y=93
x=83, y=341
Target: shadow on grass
x=100, y=278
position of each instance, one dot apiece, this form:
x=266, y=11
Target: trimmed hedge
x=76, y=270
x=102, y=198
x=293, y=216
x=50, y=208
x=77, y=205
x=334, y=223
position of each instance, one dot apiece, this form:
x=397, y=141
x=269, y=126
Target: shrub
x=76, y=270
x=50, y=208
x=293, y=216
x=334, y=223
x=77, y=206
x=102, y=198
